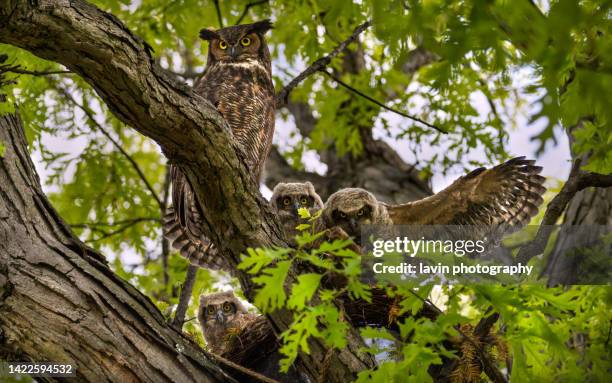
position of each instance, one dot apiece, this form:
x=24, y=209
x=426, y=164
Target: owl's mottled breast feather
x=243, y=93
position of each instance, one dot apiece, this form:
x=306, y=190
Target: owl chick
x=237, y=80
x=351, y=208
x=287, y=198
x=221, y=316
x=508, y=194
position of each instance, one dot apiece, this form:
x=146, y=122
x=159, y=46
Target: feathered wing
x=182, y=226
x=507, y=194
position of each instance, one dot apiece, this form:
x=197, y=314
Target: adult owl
x=237, y=80
x=287, y=199
x=508, y=194
x=222, y=316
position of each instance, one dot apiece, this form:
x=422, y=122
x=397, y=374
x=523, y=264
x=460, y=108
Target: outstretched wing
x=182, y=226
x=508, y=194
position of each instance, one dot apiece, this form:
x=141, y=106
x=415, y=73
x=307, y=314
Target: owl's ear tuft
x=207, y=34
x=261, y=27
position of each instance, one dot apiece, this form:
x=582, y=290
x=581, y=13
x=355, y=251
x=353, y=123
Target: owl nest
x=256, y=341
x=252, y=344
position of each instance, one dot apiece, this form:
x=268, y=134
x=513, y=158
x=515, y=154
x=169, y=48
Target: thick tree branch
x=578, y=180
x=52, y=285
x=190, y=132
x=597, y=180
x=283, y=96
x=185, y=297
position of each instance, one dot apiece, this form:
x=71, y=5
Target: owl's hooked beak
x=233, y=51
x=220, y=317
x=353, y=224
x=296, y=206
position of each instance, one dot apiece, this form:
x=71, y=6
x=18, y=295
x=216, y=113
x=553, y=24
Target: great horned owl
x=350, y=208
x=237, y=80
x=287, y=198
x=508, y=194
x=222, y=316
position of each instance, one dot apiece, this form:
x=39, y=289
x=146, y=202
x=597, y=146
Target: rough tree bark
x=190, y=132
x=589, y=207
x=60, y=302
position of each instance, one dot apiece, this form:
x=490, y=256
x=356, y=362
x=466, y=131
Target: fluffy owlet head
x=240, y=43
x=351, y=208
x=219, y=309
x=287, y=198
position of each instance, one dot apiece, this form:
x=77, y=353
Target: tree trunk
x=60, y=302
x=589, y=207
x=191, y=133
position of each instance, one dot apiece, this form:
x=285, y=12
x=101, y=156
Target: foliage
x=552, y=334
x=311, y=301
x=493, y=61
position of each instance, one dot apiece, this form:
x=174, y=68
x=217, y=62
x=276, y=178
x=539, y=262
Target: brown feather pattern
x=508, y=194
x=241, y=89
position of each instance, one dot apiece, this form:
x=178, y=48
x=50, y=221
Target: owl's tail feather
x=198, y=250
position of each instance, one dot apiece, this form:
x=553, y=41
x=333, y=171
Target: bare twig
x=17, y=69
x=91, y=116
x=114, y=232
x=577, y=181
x=185, y=297
x=246, y=10
x=244, y=370
x=117, y=223
x=360, y=93
x=219, y=17
x=283, y=96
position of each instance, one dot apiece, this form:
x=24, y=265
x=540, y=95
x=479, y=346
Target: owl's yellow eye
x=210, y=310
x=343, y=215
x=245, y=41
x=304, y=201
x=222, y=45
x=286, y=201
x=360, y=212
x=227, y=307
